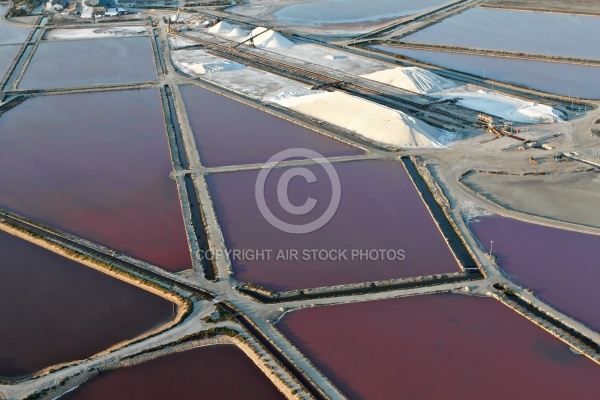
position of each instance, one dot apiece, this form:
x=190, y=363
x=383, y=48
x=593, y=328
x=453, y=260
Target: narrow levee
x=276, y=352
x=199, y=224
x=79, y=310
x=189, y=374
x=448, y=229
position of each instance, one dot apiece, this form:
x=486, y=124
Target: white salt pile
x=177, y=42
x=414, y=79
x=95, y=32
x=292, y=93
x=503, y=106
x=221, y=27
x=335, y=57
x=237, y=32
x=268, y=39
x=373, y=121
x=510, y=108
x=210, y=67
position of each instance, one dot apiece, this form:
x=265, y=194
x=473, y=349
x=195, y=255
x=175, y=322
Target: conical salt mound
x=221, y=27
x=238, y=32
x=269, y=38
x=371, y=120
x=413, y=79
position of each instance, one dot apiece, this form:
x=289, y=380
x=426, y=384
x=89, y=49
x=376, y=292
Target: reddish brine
x=560, y=266
x=213, y=372
x=96, y=165
x=228, y=132
x=445, y=346
x=55, y=310
x=381, y=229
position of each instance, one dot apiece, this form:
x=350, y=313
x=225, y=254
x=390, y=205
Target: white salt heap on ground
x=87, y=33
x=210, y=67
x=373, y=121
x=507, y=107
x=333, y=57
x=221, y=27
x=414, y=79
x=197, y=62
x=268, y=39
x=237, y=32
x=503, y=106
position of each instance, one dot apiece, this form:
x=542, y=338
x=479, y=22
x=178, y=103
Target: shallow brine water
x=529, y=32
x=228, y=132
x=90, y=62
x=11, y=33
x=56, y=310
x=380, y=210
x=352, y=11
x=96, y=165
x=563, y=79
x=193, y=374
x=560, y=266
x=444, y=346
x=7, y=55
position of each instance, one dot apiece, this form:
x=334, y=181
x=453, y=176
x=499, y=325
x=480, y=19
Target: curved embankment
x=184, y=306
x=209, y=337
x=116, y=271
x=510, y=212
x=225, y=336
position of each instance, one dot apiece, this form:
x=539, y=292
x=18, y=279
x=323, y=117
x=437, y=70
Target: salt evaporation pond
x=56, y=310
x=563, y=79
x=11, y=33
x=530, y=32
x=445, y=346
x=380, y=209
x=560, y=266
x=96, y=165
x=214, y=372
x=7, y=55
x=90, y=62
x=352, y=11
x=228, y=132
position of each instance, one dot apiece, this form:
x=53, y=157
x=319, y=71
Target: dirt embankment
x=183, y=306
